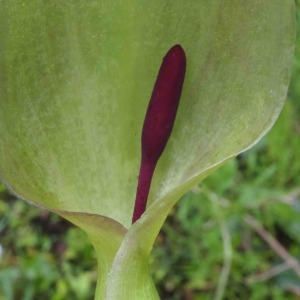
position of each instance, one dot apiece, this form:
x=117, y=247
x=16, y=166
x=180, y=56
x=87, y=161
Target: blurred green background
x=235, y=236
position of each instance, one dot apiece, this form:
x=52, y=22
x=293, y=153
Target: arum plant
x=76, y=79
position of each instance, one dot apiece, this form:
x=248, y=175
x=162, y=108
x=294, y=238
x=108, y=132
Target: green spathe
x=76, y=78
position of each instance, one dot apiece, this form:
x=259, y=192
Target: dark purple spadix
x=159, y=121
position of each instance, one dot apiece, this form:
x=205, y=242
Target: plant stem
x=227, y=250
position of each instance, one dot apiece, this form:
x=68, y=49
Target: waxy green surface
x=75, y=81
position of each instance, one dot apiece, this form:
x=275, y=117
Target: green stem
x=103, y=271
x=106, y=236
x=227, y=248
x=130, y=277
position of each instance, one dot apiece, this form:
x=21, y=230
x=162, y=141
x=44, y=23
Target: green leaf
x=76, y=78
